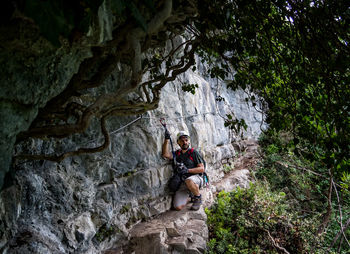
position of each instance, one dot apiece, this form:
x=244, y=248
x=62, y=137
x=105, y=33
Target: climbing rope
x=180, y=117
x=150, y=117
x=123, y=127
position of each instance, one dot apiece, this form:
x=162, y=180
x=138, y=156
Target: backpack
x=174, y=183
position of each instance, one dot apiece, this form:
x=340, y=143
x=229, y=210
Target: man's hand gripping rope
x=167, y=136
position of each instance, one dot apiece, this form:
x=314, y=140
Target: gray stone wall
x=33, y=72
x=89, y=203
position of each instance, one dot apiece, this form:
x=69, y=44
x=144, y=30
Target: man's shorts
x=183, y=192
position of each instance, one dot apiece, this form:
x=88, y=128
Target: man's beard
x=185, y=146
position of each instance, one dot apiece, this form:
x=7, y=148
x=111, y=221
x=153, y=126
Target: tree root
x=59, y=158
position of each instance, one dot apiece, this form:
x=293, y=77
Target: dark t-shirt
x=185, y=158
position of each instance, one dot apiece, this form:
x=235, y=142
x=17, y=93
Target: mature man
x=190, y=166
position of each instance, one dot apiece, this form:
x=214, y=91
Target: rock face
x=34, y=73
x=90, y=203
x=186, y=231
x=172, y=232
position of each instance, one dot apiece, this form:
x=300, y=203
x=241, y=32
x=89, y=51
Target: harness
x=188, y=158
x=189, y=152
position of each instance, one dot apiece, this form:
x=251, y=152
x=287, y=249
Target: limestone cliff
x=89, y=203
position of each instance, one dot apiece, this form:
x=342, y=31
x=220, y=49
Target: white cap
x=181, y=134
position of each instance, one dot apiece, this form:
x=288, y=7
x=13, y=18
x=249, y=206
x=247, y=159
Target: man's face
x=184, y=142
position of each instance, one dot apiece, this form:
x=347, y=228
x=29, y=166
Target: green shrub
x=227, y=168
x=306, y=184
x=256, y=220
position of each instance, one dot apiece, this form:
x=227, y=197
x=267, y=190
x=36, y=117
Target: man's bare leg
x=197, y=199
x=194, y=188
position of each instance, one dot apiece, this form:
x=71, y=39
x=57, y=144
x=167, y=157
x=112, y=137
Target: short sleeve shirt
x=185, y=158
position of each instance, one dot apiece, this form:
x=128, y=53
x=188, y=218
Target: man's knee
x=179, y=208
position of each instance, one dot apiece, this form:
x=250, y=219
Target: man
x=191, y=169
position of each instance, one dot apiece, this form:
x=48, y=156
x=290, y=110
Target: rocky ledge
x=186, y=231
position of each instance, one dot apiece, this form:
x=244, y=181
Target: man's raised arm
x=165, y=147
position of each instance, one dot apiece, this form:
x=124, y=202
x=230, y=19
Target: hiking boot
x=197, y=201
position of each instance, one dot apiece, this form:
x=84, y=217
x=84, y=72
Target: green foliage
x=191, y=88
x=125, y=208
x=105, y=232
x=227, y=168
x=299, y=178
x=295, y=57
x=250, y=220
x=345, y=180
x=237, y=125
x=332, y=230
x=284, y=206
x=284, y=172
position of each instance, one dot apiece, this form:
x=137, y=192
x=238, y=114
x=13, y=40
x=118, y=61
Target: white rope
x=148, y=117
x=130, y=123
x=174, y=118
x=126, y=125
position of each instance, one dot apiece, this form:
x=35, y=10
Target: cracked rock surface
x=186, y=231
